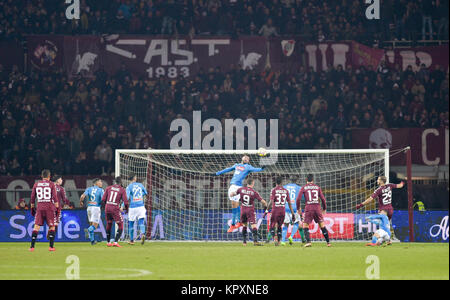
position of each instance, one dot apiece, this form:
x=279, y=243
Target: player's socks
x=302, y=234
x=244, y=234
x=118, y=234
x=325, y=234
x=285, y=229
x=91, y=232
x=294, y=229
x=307, y=237
x=141, y=224
x=131, y=230
x=272, y=232
x=233, y=216
x=279, y=234
x=51, y=237
x=33, y=238
x=255, y=235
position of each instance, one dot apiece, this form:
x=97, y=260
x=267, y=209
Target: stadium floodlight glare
x=189, y=202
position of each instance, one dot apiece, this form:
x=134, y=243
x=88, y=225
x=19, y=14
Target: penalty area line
x=136, y=272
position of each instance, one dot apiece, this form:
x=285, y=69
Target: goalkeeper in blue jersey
x=135, y=195
x=240, y=172
x=293, y=193
x=383, y=234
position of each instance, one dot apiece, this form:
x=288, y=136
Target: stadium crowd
x=315, y=20
x=74, y=127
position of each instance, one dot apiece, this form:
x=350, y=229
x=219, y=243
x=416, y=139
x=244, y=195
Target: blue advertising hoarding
x=429, y=226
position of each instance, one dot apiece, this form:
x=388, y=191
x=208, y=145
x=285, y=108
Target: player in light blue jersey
x=383, y=234
x=135, y=194
x=240, y=172
x=293, y=193
x=94, y=195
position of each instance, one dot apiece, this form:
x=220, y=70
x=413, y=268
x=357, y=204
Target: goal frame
x=118, y=152
x=269, y=152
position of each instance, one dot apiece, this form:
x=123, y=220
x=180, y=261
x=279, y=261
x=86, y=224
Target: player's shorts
x=114, y=215
x=248, y=215
x=389, y=210
x=94, y=214
x=136, y=213
x=49, y=216
x=233, y=188
x=385, y=237
x=313, y=215
x=288, y=218
x=277, y=217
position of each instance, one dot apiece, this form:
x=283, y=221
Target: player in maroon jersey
x=279, y=196
x=247, y=198
x=62, y=198
x=44, y=193
x=384, y=195
x=112, y=198
x=313, y=193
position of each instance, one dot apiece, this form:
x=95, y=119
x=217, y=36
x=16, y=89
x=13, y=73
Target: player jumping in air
x=94, y=194
x=240, y=172
x=247, y=198
x=313, y=194
x=383, y=234
x=293, y=193
x=135, y=194
x=113, y=196
x=279, y=197
x=384, y=195
x=44, y=192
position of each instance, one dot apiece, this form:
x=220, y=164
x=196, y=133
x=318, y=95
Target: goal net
x=187, y=201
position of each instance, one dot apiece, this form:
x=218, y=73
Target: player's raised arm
x=400, y=185
x=367, y=201
x=253, y=169
x=226, y=170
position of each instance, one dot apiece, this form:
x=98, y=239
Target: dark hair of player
x=310, y=178
x=118, y=180
x=383, y=178
x=249, y=181
x=132, y=175
x=45, y=173
x=278, y=180
x=56, y=177
x=96, y=180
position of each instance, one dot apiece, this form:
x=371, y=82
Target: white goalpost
x=188, y=202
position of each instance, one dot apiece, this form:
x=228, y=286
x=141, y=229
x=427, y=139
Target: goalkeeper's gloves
x=359, y=206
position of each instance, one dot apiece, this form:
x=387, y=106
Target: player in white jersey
x=135, y=194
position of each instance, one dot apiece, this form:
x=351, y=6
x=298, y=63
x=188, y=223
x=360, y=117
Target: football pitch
x=224, y=261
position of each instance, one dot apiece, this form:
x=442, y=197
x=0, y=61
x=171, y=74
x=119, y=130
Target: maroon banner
x=11, y=53
x=428, y=146
x=149, y=57
x=366, y=56
x=46, y=52
x=430, y=56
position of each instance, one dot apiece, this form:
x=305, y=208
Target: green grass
x=209, y=260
